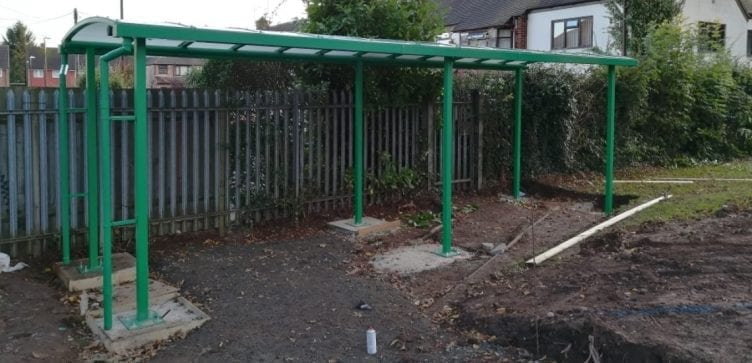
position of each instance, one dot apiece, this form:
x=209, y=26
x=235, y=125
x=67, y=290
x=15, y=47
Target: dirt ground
x=677, y=292
x=674, y=292
x=37, y=323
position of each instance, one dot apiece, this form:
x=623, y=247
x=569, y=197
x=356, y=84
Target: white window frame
x=179, y=70
x=568, y=27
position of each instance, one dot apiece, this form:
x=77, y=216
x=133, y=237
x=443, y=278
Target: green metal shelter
x=111, y=39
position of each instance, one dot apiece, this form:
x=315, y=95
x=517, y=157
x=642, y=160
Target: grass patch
x=689, y=201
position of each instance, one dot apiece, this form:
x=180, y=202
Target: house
x=170, y=72
x=43, y=68
x=576, y=25
x=4, y=65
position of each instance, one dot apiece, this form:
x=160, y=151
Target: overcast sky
x=53, y=18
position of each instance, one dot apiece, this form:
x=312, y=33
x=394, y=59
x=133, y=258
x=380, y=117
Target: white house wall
x=539, y=24
x=723, y=11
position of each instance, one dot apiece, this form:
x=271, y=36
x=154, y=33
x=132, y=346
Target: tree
x=263, y=23
x=18, y=38
x=416, y=20
x=631, y=21
x=119, y=78
x=243, y=75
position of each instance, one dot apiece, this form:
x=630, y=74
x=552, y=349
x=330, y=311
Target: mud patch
x=570, y=340
x=675, y=292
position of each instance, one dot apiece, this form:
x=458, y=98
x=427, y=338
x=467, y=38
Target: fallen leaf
x=39, y=355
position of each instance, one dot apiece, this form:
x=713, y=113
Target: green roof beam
x=134, y=30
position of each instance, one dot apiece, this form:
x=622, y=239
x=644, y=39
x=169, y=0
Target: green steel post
x=91, y=155
x=447, y=160
x=64, y=161
x=358, y=131
x=608, y=204
x=517, y=132
x=141, y=182
x=105, y=153
x=105, y=222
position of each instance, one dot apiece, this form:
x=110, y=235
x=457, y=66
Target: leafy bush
x=677, y=107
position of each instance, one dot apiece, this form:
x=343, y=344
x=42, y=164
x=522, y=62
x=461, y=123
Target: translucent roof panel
x=255, y=48
x=210, y=46
x=171, y=39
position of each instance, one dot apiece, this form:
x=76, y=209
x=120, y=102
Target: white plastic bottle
x=371, y=341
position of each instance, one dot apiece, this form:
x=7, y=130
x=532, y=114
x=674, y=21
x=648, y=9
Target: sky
x=53, y=18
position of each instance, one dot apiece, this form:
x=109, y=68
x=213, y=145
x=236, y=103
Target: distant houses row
x=546, y=25
x=43, y=70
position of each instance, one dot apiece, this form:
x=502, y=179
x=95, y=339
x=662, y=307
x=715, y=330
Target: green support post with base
x=447, y=151
x=608, y=205
x=92, y=172
x=64, y=151
x=144, y=317
x=105, y=157
x=358, y=136
x=518, y=76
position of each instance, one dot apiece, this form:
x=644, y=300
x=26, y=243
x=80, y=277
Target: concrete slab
x=370, y=228
x=124, y=296
x=123, y=270
x=179, y=317
x=411, y=259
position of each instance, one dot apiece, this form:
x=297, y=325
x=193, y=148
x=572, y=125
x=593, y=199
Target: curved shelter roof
x=178, y=40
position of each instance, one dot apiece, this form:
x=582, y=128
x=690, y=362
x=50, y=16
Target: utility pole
x=44, y=46
x=78, y=60
x=29, y=70
x=625, y=30
x=120, y=61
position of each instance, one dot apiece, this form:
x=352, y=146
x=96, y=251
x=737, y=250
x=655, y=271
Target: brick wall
x=520, y=32
x=52, y=81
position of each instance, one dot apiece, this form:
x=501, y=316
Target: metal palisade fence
x=219, y=158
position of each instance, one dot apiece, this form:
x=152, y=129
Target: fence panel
x=215, y=158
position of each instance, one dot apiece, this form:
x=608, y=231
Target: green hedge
x=678, y=107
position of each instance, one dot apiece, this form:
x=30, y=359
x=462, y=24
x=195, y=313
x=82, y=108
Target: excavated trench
x=569, y=340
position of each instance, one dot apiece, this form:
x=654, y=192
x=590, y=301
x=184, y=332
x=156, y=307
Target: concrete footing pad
x=123, y=270
x=370, y=228
x=124, y=296
x=178, y=317
x=412, y=259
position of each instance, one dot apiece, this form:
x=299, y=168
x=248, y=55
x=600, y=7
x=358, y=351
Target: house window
x=749, y=43
x=182, y=70
x=38, y=73
x=162, y=69
x=572, y=33
x=712, y=36
x=55, y=74
x=504, y=39
x=1, y=73
x=477, y=39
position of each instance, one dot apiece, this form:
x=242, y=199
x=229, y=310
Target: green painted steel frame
x=92, y=174
x=517, y=156
x=105, y=156
x=120, y=38
x=64, y=145
x=358, y=149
